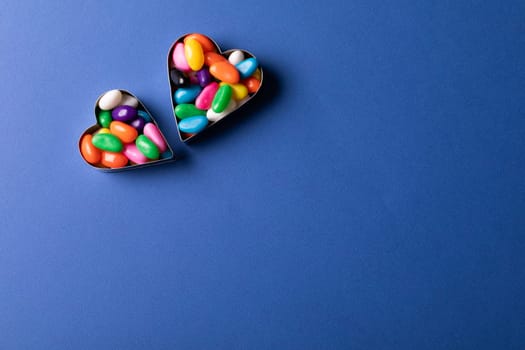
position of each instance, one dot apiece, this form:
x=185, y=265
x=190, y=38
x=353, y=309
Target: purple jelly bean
x=204, y=77
x=138, y=124
x=124, y=113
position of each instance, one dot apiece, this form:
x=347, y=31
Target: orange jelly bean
x=212, y=57
x=225, y=71
x=113, y=160
x=206, y=43
x=252, y=84
x=126, y=133
x=90, y=153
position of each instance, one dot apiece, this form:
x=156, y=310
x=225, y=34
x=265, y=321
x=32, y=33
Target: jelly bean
x=177, y=78
x=126, y=133
x=236, y=57
x=252, y=84
x=211, y=58
x=257, y=74
x=222, y=98
x=104, y=118
x=188, y=110
x=110, y=99
x=102, y=131
x=138, y=124
x=206, y=43
x=147, y=147
x=193, y=124
x=90, y=153
x=225, y=71
x=107, y=142
x=128, y=100
x=133, y=154
x=203, y=77
x=113, y=160
x=193, y=77
x=153, y=133
x=247, y=67
x=239, y=91
x=179, y=58
x=186, y=95
x=194, y=54
x=124, y=113
x=205, y=98
x=213, y=116
x=144, y=115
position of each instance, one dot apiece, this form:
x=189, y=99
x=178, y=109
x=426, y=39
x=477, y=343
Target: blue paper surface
x=371, y=197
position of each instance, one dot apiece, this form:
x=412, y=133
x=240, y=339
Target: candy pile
x=207, y=85
x=126, y=134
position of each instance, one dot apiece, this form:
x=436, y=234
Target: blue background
x=371, y=197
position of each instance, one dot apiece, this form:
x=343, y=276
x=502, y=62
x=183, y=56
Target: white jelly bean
x=236, y=57
x=110, y=100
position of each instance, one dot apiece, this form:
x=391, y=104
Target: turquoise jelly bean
x=247, y=67
x=186, y=94
x=193, y=125
x=145, y=116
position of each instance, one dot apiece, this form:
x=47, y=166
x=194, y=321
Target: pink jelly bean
x=153, y=133
x=179, y=59
x=133, y=154
x=206, y=96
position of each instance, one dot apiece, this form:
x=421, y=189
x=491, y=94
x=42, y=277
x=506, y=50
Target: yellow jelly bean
x=102, y=131
x=257, y=74
x=194, y=54
x=239, y=91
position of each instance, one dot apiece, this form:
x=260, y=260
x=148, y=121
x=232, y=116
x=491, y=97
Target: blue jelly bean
x=247, y=67
x=145, y=116
x=193, y=125
x=187, y=94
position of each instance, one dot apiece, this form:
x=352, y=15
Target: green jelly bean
x=221, y=99
x=107, y=142
x=147, y=147
x=186, y=110
x=104, y=118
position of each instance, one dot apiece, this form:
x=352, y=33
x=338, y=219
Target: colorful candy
x=205, y=98
x=194, y=54
x=193, y=125
x=126, y=135
x=110, y=100
x=153, y=133
x=113, y=160
x=235, y=57
x=124, y=113
x=147, y=147
x=104, y=118
x=90, y=153
x=225, y=71
x=187, y=95
x=107, y=142
x=221, y=99
x=247, y=67
x=188, y=110
x=207, y=85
